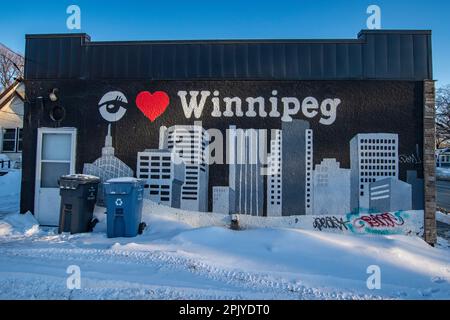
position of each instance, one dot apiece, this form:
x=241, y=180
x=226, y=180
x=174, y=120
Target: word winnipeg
x=233, y=106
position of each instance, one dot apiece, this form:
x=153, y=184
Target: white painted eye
x=112, y=106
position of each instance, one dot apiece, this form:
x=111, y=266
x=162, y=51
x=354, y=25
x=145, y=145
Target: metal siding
x=420, y=54
x=407, y=56
x=385, y=55
x=266, y=60
x=75, y=61
x=304, y=57
x=356, y=62
x=133, y=61
x=381, y=57
x=291, y=61
x=369, y=58
x=342, y=61
x=254, y=64
x=53, y=56
x=316, y=59
x=192, y=62
x=241, y=61
x=216, y=61
x=279, y=61
x=394, y=56
x=229, y=66
x=329, y=62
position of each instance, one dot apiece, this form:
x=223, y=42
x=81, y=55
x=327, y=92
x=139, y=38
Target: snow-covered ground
x=196, y=256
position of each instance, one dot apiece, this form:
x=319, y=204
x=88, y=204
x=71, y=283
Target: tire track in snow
x=252, y=283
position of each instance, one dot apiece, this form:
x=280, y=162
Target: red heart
x=152, y=105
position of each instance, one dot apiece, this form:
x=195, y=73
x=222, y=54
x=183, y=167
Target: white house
x=11, y=120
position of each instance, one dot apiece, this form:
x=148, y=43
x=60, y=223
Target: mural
x=107, y=166
x=260, y=148
x=111, y=106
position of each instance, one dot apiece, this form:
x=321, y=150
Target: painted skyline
x=322, y=189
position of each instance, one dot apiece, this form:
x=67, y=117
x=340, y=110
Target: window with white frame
x=12, y=140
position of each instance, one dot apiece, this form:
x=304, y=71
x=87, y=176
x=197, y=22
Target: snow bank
x=18, y=224
x=292, y=263
x=10, y=191
x=443, y=217
x=443, y=173
x=401, y=222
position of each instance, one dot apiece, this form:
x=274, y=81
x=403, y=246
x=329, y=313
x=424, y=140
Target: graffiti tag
x=413, y=158
x=382, y=220
x=330, y=223
x=410, y=159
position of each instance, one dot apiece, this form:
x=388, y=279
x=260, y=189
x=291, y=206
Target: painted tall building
x=223, y=200
x=164, y=173
x=390, y=194
x=297, y=168
x=245, y=176
x=331, y=188
x=373, y=157
x=274, y=176
x=189, y=143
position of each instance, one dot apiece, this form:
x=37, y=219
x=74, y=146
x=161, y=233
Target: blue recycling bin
x=124, y=198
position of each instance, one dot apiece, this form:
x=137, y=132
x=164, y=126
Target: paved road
x=443, y=194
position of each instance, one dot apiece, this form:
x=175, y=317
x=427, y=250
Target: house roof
x=9, y=93
x=373, y=55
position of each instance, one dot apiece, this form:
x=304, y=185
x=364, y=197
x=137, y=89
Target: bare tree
x=11, y=67
x=443, y=116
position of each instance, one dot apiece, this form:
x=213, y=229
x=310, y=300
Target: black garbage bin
x=78, y=195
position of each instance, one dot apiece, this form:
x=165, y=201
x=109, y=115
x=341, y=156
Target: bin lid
x=83, y=178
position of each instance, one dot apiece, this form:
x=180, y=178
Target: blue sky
x=191, y=19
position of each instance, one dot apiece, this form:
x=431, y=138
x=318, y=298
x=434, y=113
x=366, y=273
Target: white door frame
x=41, y=132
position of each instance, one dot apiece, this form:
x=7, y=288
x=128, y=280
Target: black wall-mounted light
x=53, y=95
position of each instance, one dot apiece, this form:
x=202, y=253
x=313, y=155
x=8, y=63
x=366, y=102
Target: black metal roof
x=375, y=54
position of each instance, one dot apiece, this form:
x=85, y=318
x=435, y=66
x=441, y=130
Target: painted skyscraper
x=223, y=200
x=274, y=176
x=331, y=188
x=390, y=194
x=373, y=156
x=164, y=173
x=245, y=176
x=297, y=168
x=189, y=143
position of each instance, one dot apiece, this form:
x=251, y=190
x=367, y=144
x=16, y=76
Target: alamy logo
x=374, y=280
x=374, y=20
x=73, y=22
x=74, y=279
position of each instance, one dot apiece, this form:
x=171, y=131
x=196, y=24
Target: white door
x=55, y=157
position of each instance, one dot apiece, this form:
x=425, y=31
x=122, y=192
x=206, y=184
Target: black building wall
x=378, y=77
